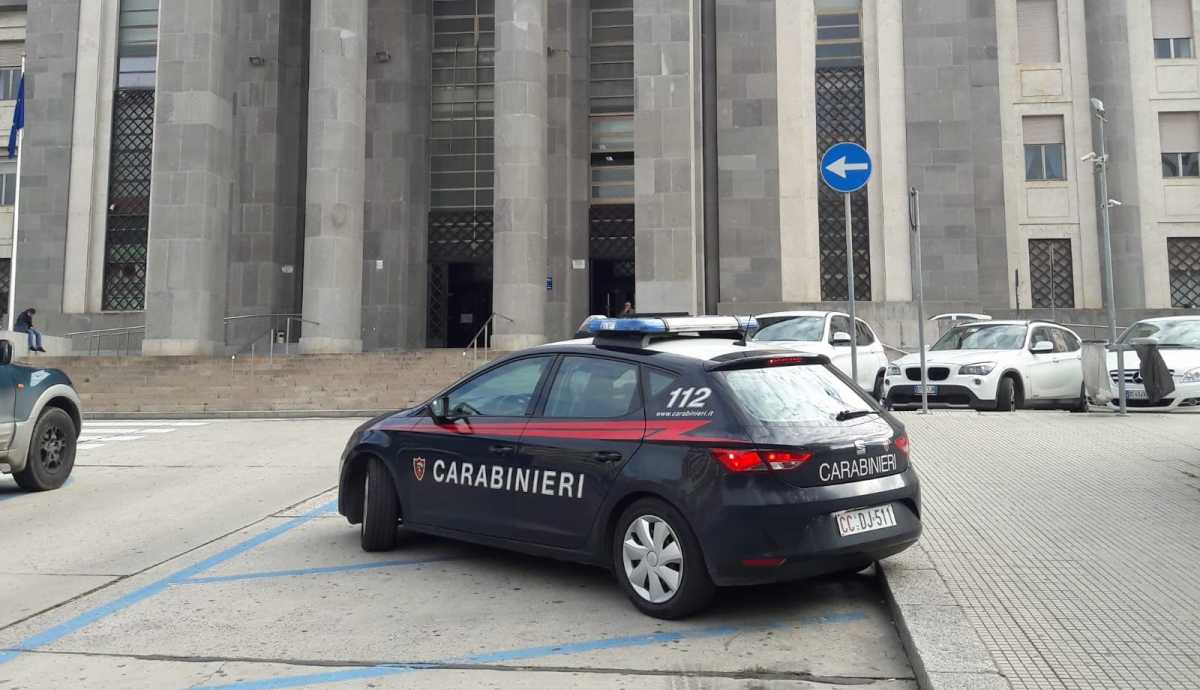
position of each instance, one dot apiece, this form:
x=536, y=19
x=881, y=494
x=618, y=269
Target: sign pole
x=915, y=211
x=16, y=232
x=850, y=289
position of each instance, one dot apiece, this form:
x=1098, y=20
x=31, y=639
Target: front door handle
x=503, y=451
x=607, y=456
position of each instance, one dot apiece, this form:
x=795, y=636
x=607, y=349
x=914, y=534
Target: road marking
x=95, y=434
x=103, y=611
x=315, y=571
x=529, y=653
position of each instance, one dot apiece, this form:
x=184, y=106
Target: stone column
x=519, y=286
x=333, y=228
x=192, y=180
x=667, y=169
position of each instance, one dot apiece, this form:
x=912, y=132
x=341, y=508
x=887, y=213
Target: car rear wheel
x=877, y=391
x=1006, y=395
x=658, y=561
x=51, y=453
x=381, y=509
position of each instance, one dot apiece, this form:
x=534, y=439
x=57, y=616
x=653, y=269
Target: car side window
x=863, y=333
x=506, y=391
x=1070, y=341
x=593, y=388
x=657, y=382
x=838, y=324
x=1040, y=334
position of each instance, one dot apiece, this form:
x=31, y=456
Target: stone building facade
x=393, y=172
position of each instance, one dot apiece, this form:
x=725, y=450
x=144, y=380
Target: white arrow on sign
x=840, y=167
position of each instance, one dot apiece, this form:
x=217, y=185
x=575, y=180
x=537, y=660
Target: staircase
x=180, y=386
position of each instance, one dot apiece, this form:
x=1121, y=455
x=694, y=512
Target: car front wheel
x=658, y=561
x=1006, y=395
x=51, y=453
x=381, y=509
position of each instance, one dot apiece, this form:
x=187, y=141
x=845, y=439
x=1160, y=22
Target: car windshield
x=790, y=328
x=983, y=336
x=1185, y=333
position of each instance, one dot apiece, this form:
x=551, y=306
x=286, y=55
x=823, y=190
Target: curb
x=945, y=651
x=237, y=414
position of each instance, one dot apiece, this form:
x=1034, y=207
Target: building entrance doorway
x=460, y=276
x=610, y=247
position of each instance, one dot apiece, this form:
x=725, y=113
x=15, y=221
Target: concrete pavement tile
x=919, y=587
x=913, y=558
x=968, y=681
x=24, y=594
x=944, y=639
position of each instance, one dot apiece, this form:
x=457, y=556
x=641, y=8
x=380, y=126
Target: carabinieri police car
x=669, y=450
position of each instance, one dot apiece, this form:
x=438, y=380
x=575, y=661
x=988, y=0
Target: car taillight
x=739, y=460
x=757, y=461
x=902, y=443
x=786, y=461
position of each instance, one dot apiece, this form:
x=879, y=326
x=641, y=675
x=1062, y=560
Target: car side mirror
x=440, y=409
x=841, y=339
x=1042, y=347
x=6, y=353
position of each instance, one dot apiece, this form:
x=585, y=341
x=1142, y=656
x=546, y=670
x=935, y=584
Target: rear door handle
x=607, y=456
x=503, y=451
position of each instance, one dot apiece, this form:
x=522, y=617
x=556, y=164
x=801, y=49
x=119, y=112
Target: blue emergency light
x=647, y=325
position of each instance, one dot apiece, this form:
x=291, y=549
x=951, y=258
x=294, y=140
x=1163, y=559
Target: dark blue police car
x=667, y=449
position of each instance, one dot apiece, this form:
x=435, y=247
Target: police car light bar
x=670, y=325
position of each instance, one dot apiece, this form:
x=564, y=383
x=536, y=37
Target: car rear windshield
x=791, y=328
x=983, y=337
x=808, y=396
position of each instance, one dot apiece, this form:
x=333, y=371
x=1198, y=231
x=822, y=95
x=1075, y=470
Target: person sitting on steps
x=25, y=325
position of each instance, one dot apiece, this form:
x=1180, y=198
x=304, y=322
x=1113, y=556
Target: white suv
x=827, y=333
x=994, y=365
x=1178, y=339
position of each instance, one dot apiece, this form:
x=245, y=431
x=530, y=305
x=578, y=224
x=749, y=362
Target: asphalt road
x=209, y=555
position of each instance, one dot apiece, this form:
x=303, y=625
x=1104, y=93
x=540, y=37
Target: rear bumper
x=799, y=527
x=906, y=395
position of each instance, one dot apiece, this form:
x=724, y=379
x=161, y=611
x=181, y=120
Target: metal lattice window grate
x=1051, y=274
x=439, y=287
x=461, y=236
x=1183, y=258
x=611, y=233
x=128, y=223
x=5, y=277
x=841, y=116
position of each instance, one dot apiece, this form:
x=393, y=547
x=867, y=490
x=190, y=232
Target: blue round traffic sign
x=846, y=167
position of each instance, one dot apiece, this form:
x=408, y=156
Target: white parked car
x=827, y=333
x=994, y=365
x=1178, y=339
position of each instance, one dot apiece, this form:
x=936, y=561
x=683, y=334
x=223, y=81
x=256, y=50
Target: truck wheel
x=658, y=561
x=381, y=509
x=51, y=452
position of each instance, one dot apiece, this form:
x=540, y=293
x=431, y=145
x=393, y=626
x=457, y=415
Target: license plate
x=854, y=522
x=932, y=390
x=1135, y=394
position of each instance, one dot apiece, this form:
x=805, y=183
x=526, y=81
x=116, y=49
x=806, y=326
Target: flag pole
x=12, y=262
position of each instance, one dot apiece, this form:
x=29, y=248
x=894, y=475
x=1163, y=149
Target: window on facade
x=611, y=99
x=462, y=145
x=1045, y=150
x=8, y=188
x=1183, y=259
x=137, y=44
x=1173, y=31
x=840, y=108
x=1180, y=136
x=10, y=82
x=1037, y=31
x=1051, y=274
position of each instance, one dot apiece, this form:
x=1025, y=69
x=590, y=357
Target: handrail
x=96, y=336
x=484, y=332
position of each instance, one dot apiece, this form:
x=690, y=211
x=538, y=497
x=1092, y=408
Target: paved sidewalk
x=1071, y=542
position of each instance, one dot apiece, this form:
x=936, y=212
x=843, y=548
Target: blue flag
x=18, y=122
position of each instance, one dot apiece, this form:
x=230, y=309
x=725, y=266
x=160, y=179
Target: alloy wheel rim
x=653, y=559
x=53, y=446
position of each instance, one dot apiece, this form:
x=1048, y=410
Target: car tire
x=877, y=391
x=51, y=454
x=381, y=509
x=666, y=528
x=1080, y=405
x=1006, y=395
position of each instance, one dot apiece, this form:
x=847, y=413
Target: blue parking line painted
x=89, y=617
x=313, y=571
x=528, y=653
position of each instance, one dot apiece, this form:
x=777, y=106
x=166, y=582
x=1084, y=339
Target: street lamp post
x=1100, y=163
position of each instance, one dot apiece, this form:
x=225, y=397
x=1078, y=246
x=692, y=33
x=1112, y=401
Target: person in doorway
x=627, y=310
x=25, y=325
